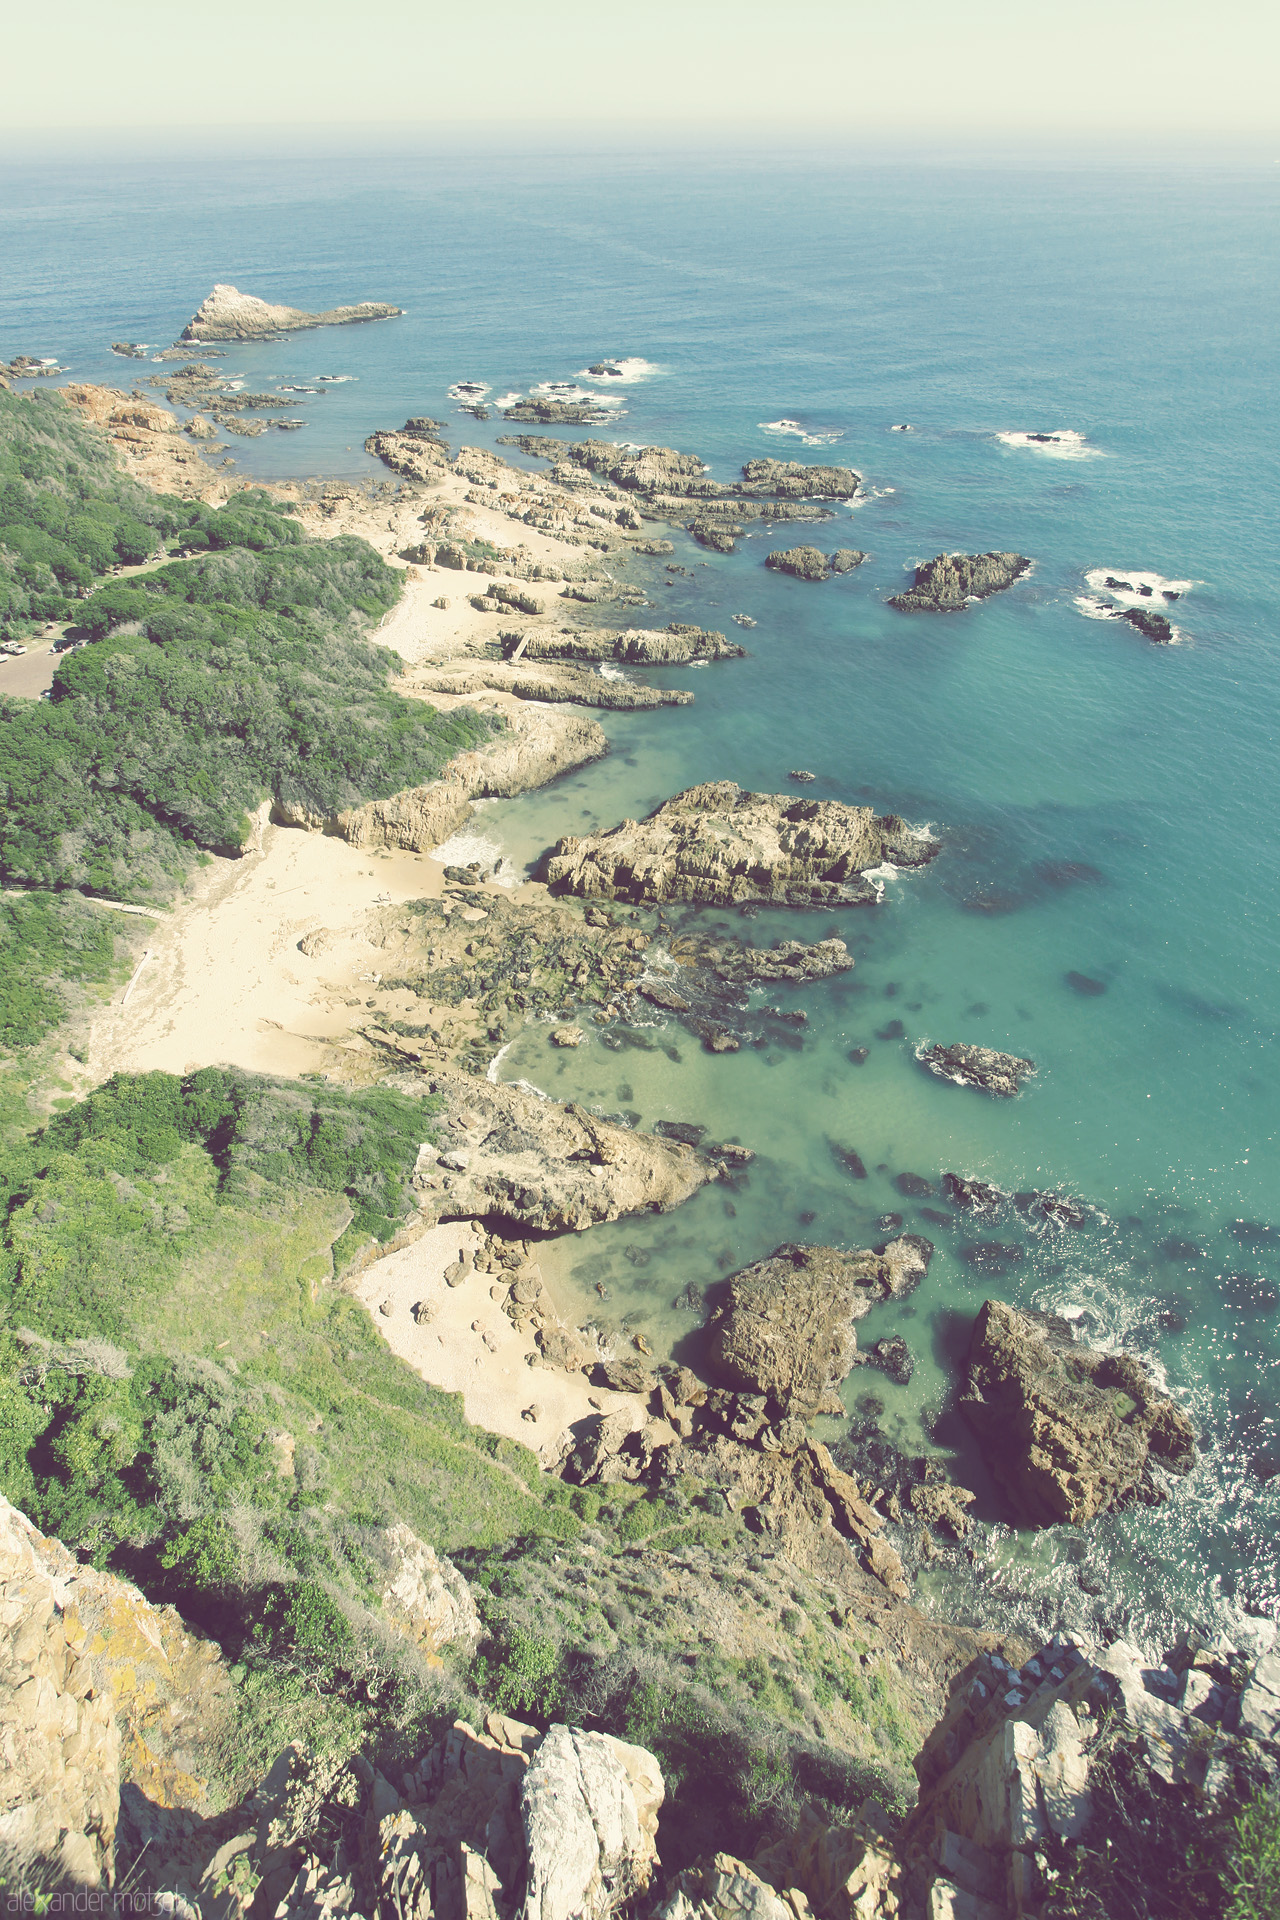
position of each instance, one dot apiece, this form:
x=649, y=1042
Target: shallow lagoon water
x=1107, y=808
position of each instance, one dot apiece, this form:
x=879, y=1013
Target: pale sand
x=226, y=984
x=497, y=1385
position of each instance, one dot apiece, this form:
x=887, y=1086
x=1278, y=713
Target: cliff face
x=96, y=1685
x=228, y=314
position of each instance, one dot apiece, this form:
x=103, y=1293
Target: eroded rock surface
x=808, y=563
x=536, y=745
x=96, y=1684
x=948, y=583
x=787, y=1327
x=982, y=1067
x=1067, y=1431
x=540, y=1165
x=718, y=845
x=589, y=1807
x=675, y=645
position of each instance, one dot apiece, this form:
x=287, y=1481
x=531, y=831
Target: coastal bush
x=239, y=674
x=48, y=944
x=67, y=513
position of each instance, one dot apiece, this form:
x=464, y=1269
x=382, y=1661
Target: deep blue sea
x=1108, y=808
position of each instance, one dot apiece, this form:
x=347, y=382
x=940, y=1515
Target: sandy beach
x=465, y=1343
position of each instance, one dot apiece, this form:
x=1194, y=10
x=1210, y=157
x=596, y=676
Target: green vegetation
x=239, y=674
x=47, y=944
x=67, y=513
x=1253, y=1872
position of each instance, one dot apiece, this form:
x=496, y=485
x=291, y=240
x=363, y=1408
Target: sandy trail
x=499, y=1377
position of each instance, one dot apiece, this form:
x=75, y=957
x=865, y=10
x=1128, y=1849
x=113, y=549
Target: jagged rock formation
x=146, y=440
x=94, y=1682
x=537, y=744
x=1067, y=1431
x=807, y=563
x=228, y=314
x=589, y=1806
x=547, y=1167
x=948, y=583
x=672, y=646
x=787, y=1326
x=1153, y=626
x=717, y=845
x=982, y=1067
x=553, y=682
x=423, y=1595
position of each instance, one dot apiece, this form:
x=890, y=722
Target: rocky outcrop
x=554, y=683
x=666, y=478
x=423, y=1595
x=982, y=1067
x=1067, y=1431
x=1153, y=626
x=672, y=646
x=718, y=845
x=787, y=1326
x=415, y=450
x=539, y=1165
x=228, y=314
x=146, y=440
x=536, y=745
x=807, y=563
x=96, y=1684
x=948, y=583
x=589, y=1807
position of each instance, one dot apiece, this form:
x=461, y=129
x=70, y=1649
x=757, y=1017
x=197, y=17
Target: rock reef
x=1067, y=1431
x=807, y=563
x=673, y=646
x=947, y=583
x=982, y=1067
x=228, y=314
x=516, y=1157
x=718, y=845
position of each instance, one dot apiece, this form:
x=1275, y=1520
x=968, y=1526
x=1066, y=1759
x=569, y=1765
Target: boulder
x=1067, y=1431
x=787, y=1326
x=998, y=1073
x=947, y=583
x=589, y=1808
x=807, y=563
x=719, y=845
x=424, y=1595
x=567, y=1036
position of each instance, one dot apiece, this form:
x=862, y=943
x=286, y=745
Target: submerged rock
x=948, y=583
x=1067, y=1431
x=719, y=845
x=998, y=1073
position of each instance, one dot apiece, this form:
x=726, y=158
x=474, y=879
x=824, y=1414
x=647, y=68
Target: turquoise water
x=1106, y=807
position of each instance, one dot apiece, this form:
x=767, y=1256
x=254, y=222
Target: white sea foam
x=462, y=848
x=1095, y=607
x=506, y=400
x=471, y=390
x=335, y=379
x=1125, y=584
x=622, y=373
x=569, y=394
x=904, y=427
x=611, y=673
x=496, y=1062
x=794, y=430
x=1064, y=443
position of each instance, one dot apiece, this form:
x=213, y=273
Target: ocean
x=1107, y=807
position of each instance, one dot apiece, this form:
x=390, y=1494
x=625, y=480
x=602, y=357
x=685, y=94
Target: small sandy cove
x=466, y=1344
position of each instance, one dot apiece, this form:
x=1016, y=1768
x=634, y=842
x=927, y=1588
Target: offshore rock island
x=228, y=314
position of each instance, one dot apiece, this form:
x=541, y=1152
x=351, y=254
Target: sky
x=1114, y=73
